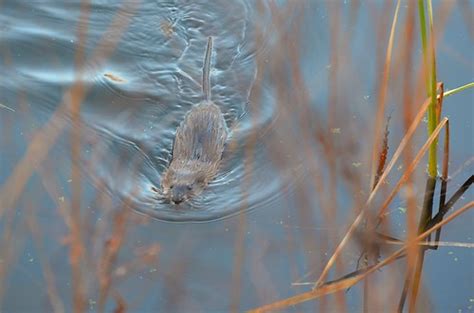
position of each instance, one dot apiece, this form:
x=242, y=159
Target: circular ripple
x=149, y=84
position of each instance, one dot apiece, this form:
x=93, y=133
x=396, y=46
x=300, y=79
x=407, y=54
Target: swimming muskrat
x=198, y=145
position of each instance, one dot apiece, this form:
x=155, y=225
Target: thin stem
x=421, y=12
x=5, y=107
x=458, y=89
x=432, y=116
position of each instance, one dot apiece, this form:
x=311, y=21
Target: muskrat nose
x=178, y=194
x=177, y=200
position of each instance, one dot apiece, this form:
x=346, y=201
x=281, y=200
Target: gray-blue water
x=136, y=94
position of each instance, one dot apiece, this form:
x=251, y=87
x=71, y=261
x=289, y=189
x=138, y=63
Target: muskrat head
x=180, y=185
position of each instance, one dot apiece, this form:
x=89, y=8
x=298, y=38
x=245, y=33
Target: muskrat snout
x=179, y=193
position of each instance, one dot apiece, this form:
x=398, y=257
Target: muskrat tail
x=206, y=79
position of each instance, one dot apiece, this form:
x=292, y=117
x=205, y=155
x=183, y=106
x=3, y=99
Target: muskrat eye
x=171, y=187
x=190, y=188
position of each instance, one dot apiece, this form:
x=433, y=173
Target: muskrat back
x=202, y=134
x=198, y=145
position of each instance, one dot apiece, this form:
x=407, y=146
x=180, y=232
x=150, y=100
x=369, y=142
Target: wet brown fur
x=198, y=147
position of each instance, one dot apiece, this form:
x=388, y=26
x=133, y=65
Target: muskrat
x=198, y=145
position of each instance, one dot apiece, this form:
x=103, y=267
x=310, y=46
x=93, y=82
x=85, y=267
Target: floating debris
x=167, y=28
x=402, y=209
x=114, y=78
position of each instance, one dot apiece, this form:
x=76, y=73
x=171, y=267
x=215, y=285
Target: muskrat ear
x=167, y=176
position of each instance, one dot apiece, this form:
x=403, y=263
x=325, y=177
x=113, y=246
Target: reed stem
x=430, y=81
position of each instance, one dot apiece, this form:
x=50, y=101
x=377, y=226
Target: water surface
x=138, y=92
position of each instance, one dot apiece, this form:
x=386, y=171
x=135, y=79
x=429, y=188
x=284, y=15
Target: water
x=138, y=92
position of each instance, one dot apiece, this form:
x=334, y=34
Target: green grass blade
x=458, y=89
x=432, y=116
x=421, y=12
